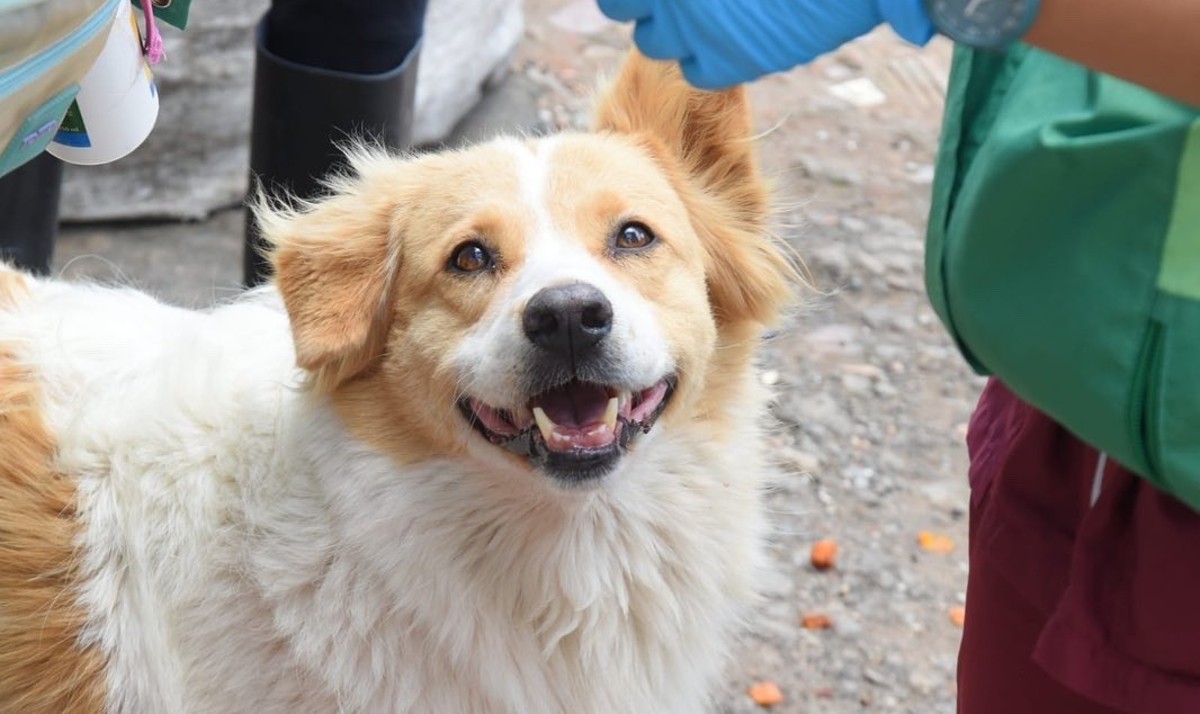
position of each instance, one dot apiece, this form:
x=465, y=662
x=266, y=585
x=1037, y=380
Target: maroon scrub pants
x=1084, y=587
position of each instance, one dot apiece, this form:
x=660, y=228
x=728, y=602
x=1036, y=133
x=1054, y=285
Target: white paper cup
x=117, y=100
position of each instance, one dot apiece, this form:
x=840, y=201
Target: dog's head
x=545, y=302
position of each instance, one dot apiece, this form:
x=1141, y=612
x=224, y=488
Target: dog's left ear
x=704, y=141
x=335, y=261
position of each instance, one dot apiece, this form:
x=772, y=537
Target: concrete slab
x=191, y=264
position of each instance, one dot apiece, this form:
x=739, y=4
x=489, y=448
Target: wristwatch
x=983, y=24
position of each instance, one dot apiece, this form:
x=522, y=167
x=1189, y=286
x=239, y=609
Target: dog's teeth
x=610, y=414
x=545, y=425
x=623, y=400
x=523, y=417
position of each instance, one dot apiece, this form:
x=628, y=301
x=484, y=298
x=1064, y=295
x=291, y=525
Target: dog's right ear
x=705, y=141
x=335, y=260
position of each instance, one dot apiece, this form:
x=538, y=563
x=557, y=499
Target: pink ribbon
x=153, y=48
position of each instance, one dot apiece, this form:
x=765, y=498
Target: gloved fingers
x=626, y=10
x=708, y=75
x=909, y=19
x=659, y=38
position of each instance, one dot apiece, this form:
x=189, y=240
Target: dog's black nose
x=568, y=320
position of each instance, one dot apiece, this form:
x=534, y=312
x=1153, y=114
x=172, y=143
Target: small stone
x=849, y=627
x=848, y=688
x=776, y=583
x=885, y=389
x=854, y=225
x=838, y=71
x=870, y=263
x=924, y=681
x=859, y=444
x=903, y=283
x=876, y=677
x=862, y=370
x=922, y=175
x=856, y=384
x=860, y=477
x=941, y=495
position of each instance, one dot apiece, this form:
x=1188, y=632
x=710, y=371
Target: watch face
x=983, y=23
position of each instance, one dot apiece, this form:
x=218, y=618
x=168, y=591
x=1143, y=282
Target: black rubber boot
x=29, y=213
x=299, y=114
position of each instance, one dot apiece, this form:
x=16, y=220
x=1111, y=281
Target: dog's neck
x=456, y=568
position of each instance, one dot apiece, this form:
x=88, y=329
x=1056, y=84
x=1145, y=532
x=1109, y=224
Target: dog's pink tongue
x=575, y=416
x=576, y=405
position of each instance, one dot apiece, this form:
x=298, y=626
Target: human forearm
x=1155, y=43
x=719, y=43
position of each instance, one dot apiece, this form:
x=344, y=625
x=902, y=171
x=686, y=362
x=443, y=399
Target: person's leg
x=358, y=36
x=327, y=72
x=996, y=671
x=29, y=213
x=1020, y=461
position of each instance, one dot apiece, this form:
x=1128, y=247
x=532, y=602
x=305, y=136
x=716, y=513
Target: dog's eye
x=633, y=236
x=471, y=257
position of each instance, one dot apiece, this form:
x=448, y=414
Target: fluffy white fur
x=244, y=554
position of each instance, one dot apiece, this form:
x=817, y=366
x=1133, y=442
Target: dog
x=491, y=440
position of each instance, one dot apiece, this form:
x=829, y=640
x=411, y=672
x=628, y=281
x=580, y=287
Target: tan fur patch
x=710, y=156
x=13, y=286
x=42, y=666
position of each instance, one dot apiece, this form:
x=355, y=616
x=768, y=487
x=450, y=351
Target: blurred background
x=872, y=397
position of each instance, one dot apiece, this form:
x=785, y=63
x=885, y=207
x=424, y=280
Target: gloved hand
x=719, y=43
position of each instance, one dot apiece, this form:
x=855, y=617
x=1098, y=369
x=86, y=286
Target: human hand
x=719, y=43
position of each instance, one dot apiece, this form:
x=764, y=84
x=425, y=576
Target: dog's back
x=128, y=430
x=43, y=665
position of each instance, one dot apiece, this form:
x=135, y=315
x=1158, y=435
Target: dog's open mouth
x=576, y=430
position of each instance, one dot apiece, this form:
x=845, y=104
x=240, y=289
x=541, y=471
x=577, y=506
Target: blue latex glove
x=720, y=43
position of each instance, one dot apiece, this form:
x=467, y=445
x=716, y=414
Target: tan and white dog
x=490, y=443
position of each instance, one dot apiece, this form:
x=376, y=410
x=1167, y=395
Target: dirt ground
x=872, y=397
